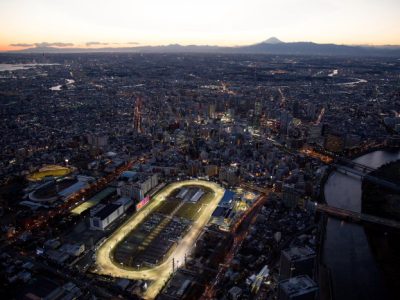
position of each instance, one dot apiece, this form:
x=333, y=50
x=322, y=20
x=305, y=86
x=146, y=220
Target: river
x=69, y=83
x=14, y=67
x=346, y=251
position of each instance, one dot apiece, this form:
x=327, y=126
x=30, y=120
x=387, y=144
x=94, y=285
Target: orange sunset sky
x=101, y=23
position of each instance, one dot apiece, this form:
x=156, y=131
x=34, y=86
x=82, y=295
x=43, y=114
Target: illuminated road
x=160, y=273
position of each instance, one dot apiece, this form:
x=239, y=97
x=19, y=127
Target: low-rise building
x=73, y=249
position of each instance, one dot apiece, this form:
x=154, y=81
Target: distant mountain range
x=269, y=46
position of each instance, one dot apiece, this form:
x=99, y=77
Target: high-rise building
x=285, y=120
x=257, y=108
x=296, y=261
x=314, y=133
x=296, y=109
x=229, y=174
x=211, y=111
x=290, y=196
x=138, y=186
x=311, y=111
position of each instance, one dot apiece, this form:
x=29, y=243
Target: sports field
x=49, y=170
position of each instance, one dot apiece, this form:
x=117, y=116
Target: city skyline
x=226, y=23
x=186, y=149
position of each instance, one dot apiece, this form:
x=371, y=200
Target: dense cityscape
x=197, y=176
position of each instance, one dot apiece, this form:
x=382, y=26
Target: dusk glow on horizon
x=124, y=23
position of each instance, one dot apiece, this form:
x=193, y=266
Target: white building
x=101, y=218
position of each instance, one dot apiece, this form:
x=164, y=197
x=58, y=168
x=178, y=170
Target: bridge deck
x=355, y=165
x=379, y=181
x=348, y=214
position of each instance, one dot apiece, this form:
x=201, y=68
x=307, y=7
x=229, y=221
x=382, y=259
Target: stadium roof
x=227, y=198
x=93, y=201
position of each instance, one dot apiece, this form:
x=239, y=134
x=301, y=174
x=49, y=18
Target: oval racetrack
x=160, y=273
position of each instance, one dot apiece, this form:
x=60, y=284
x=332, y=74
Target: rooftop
x=298, y=253
x=106, y=211
x=298, y=285
x=93, y=201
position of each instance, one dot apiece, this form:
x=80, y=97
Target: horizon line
x=114, y=45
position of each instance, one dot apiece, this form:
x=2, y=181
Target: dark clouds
x=43, y=44
x=88, y=44
x=57, y=44
x=96, y=44
x=61, y=45
x=22, y=45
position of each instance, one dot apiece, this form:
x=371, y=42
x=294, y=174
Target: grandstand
x=190, y=194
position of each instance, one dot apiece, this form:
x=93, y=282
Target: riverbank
x=323, y=273
x=384, y=242
x=381, y=201
x=346, y=249
x=356, y=154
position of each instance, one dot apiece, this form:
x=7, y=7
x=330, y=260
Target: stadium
x=160, y=235
x=49, y=171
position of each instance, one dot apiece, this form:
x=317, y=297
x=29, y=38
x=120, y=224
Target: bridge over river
x=355, y=216
x=346, y=167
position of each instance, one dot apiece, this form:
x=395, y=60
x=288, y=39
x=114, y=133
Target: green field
x=167, y=206
x=50, y=170
x=190, y=211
